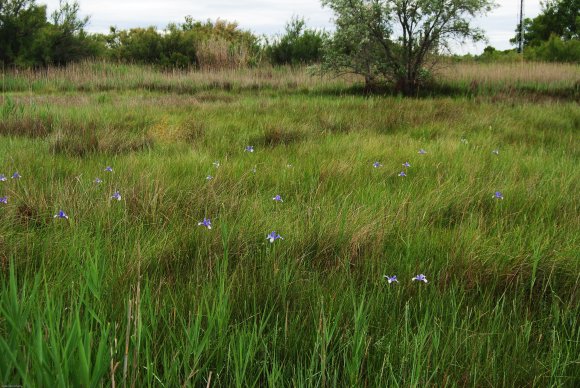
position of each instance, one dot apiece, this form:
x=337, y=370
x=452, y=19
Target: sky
x=268, y=16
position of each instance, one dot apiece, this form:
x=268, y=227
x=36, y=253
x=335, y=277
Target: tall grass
x=234, y=75
x=136, y=293
x=493, y=77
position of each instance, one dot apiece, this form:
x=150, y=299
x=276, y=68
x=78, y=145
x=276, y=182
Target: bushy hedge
x=298, y=45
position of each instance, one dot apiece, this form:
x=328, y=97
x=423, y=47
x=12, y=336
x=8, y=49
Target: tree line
x=29, y=37
x=553, y=35
x=394, y=42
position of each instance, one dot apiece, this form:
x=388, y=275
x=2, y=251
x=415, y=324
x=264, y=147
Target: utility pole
x=521, y=46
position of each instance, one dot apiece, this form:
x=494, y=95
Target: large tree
x=397, y=40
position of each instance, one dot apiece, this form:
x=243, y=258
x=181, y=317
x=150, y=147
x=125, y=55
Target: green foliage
x=298, y=45
x=28, y=38
x=555, y=50
x=558, y=17
x=21, y=25
x=491, y=55
x=397, y=41
x=180, y=45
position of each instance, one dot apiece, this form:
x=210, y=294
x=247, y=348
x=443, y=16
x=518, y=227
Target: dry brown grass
x=235, y=75
x=221, y=54
x=512, y=73
x=99, y=76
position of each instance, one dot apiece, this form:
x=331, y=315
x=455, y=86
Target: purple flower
x=109, y=169
x=216, y=164
x=402, y=173
x=3, y=178
x=61, y=214
x=116, y=195
x=498, y=195
x=420, y=278
x=277, y=198
x=209, y=177
x=98, y=181
x=391, y=279
x=4, y=200
x=495, y=152
x=16, y=175
x=406, y=164
x=422, y=152
x=273, y=237
x=249, y=149
x=206, y=222
x=377, y=165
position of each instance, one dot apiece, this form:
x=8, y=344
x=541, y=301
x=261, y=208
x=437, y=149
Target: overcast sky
x=265, y=16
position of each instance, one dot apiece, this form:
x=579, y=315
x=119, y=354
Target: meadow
x=133, y=291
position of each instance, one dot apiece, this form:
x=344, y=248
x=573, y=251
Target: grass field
x=135, y=292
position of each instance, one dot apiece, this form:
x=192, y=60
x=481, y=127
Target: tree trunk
x=370, y=84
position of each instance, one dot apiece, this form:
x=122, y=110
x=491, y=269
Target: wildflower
x=498, y=195
x=495, y=152
x=206, y=222
x=249, y=148
x=109, y=169
x=277, y=198
x=253, y=170
x=403, y=174
x=273, y=237
x=422, y=152
x=98, y=180
x=216, y=164
x=3, y=178
x=209, y=177
x=377, y=165
x=391, y=279
x=61, y=214
x=406, y=164
x=4, y=200
x=464, y=140
x=16, y=175
x=116, y=195
x=420, y=278
x=289, y=165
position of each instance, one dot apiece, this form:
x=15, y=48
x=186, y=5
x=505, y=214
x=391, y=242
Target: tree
x=298, y=44
x=28, y=38
x=397, y=41
x=558, y=17
x=21, y=22
x=65, y=39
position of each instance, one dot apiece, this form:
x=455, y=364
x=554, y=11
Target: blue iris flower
x=206, y=223
x=273, y=236
x=420, y=278
x=61, y=214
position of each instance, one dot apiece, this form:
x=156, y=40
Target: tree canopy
x=398, y=40
x=558, y=17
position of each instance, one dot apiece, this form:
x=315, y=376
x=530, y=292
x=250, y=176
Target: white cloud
x=265, y=16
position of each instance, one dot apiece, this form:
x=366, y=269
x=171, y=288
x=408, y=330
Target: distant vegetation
x=29, y=37
x=552, y=36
